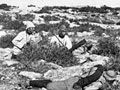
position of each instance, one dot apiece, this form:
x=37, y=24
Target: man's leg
x=79, y=44
x=39, y=83
x=15, y=52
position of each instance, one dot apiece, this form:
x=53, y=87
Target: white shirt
x=21, y=39
x=66, y=41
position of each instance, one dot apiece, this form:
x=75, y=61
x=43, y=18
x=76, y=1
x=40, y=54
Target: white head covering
x=28, y=24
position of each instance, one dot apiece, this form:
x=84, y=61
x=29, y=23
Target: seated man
x=62, y=38
x=23, y=38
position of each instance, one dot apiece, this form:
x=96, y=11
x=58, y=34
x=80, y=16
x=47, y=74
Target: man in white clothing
x=62, y=39
x=23, y=38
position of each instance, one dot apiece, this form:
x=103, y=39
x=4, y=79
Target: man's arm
x=18, y=39
x=68, y=42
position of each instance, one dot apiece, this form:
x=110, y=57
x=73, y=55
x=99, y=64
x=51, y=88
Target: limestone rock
x=38, y=63
x=55, y=66
x=31, y=75
x=2, y=33
x=10, y=62
x=95, y=57
x=62, y=74
x=1, y=26
x=5, y=53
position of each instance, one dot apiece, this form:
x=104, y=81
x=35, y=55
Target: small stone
x=10, y=62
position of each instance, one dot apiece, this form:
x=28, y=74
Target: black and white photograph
x=59, y=44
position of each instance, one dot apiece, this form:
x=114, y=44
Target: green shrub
x=41, y=27
x=51, y=27
x=13, y=25
x=6, y=41
x=108, y=22
x=98, y=31
x=50, y=18
x=107, y=47
x=43, y=10
x=50, y=53
x=5, y=7
x=26, y=17
x=4, y=18
x=81, y=28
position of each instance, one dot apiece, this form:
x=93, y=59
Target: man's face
x=30, y=30
x=61, y=34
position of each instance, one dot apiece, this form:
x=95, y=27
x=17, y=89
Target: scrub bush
x=6, y=41
x=13, y=25
x=50, y=53
x=107, y=47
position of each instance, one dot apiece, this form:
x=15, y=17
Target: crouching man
x=62, y=39
x=23, y=38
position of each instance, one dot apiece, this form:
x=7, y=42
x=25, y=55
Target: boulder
x=55, y=66
x=38, y=63
x=1, y=26
x=62, y=74
x=82, y=57
x=5, y=53
x=95, y=57
x=74, y=25
x=31, y=75
x=2, y=33
x=10, y=62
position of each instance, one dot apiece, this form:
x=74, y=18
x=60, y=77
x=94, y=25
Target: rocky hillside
x=99, y=26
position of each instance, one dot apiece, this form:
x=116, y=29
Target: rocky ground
x=14, y=77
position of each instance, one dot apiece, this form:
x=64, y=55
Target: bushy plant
x=26, y=17
x=43, y=10
x=108, y=22
x=4, y=18
x=6, y=41
x=39, y=28
x=50, y=18
x=92, y=9
x=13, y=25
x=99, y=31
x=81, y=28
x=5, y=7
x=107, y=47
x=50, y=53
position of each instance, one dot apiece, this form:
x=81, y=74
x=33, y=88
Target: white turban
x=28, y=24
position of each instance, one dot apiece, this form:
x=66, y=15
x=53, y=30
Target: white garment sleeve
x=68, y=42
x=17, y=39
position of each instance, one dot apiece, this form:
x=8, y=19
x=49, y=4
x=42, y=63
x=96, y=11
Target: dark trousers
x=90, y=79
x=79, y=44
x=39, y=83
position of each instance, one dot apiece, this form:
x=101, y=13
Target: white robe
x=65, y=41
